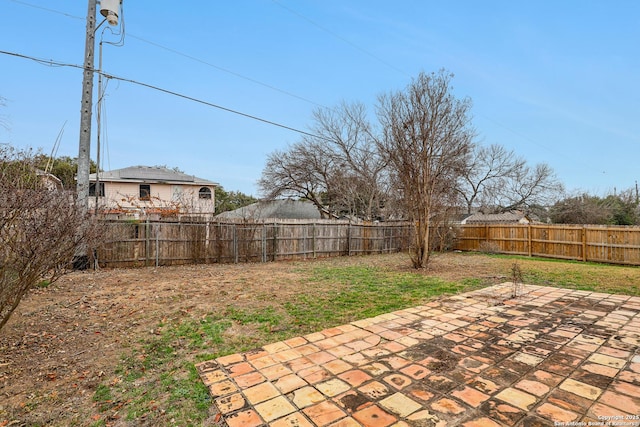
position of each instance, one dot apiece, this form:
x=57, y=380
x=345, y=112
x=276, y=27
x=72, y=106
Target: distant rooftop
x=504, y=217
x=150, y=174
x=281, y=209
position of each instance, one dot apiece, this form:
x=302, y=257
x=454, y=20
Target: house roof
x=507, y=217
x=150, y=174
x=52, y=180
x=282, y=209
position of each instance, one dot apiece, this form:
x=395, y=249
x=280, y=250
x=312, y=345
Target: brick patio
x=547, y=357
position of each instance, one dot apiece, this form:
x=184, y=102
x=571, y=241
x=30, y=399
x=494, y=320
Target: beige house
x=150, y=191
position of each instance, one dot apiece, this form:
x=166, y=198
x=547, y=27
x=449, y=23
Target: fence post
x=584, y=243
x=206, y=242
x=304, y=241
x=486, y=233
x=529, y=239
x=263, y=242
x=313, y=229
x=275, y=241
x=147, y=243
x=235, y=243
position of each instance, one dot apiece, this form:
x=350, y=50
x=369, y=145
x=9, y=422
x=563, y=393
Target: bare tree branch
x=341, y=171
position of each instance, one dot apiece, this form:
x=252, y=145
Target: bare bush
x=516, y=280
x=41, y=229
x=488, y=247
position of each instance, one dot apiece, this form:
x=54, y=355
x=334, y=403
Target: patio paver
x=547, y=357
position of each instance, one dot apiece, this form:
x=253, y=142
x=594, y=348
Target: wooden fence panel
x=608, y=244
x=470, y=237
x=167, y=243
x=563, y=242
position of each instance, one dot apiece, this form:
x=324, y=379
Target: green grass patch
x=588, y=276
x=158, y=379
x=267, y=316
x=43, y=284
x=361, y=292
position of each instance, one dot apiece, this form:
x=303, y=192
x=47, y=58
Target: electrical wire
x=191, y=57
x=225, y=70
x=47, y=9
x=51, y=62
x=339, y=37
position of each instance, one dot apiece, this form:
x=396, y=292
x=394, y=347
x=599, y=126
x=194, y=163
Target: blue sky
x=555, y=81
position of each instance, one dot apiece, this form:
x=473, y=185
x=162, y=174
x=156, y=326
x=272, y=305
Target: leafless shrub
x=41, y=229
x=488, y=247
x=516, y=280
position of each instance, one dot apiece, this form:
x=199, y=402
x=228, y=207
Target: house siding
x=126, y=196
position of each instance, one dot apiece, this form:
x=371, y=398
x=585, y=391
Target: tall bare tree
x=427, y=142
x=338, y=169
x=40, y=229
x=359, y=180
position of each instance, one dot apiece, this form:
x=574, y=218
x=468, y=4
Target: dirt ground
x=64, y=339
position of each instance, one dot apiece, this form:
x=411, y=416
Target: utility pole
x=84, y=159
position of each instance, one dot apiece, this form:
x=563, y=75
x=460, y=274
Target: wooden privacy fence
x=607, y=244
x=166, y=243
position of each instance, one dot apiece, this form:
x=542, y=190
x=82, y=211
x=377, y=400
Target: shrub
x=41, y=229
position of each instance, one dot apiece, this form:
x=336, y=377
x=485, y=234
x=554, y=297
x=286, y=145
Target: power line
x=47, y=9
x=191, y=57
x=51, y=62
x=339, y=37
x=225, y=70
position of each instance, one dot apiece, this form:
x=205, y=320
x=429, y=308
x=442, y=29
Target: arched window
x=205, y=193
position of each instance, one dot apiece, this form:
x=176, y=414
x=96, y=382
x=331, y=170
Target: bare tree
x=300, y=171
x=427, y=141
x=580, y=209
x=40, y=229
x=525, y=187
x=489, y=166
x=496, y=180
x=338, y=169
x=347, y=138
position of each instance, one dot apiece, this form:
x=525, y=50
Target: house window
x=92, y=189
x=145, y=192
x=205, y=193
x=176, y=193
